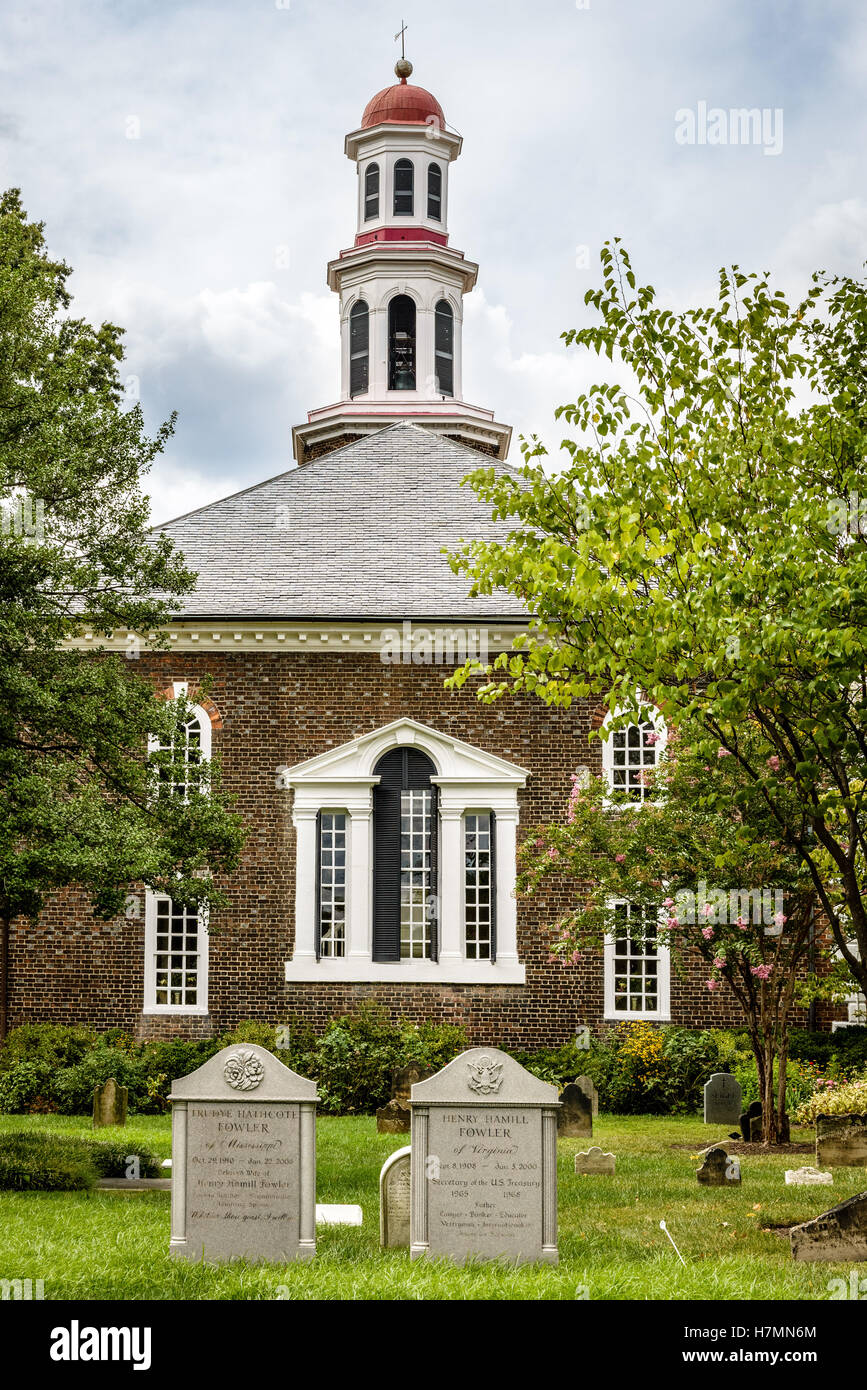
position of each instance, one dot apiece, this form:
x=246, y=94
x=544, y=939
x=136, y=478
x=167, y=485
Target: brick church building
x=384, y=810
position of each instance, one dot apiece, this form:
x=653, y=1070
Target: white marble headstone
x=243, y=1159
x=484, y=1162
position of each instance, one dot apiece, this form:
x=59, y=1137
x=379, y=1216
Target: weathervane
x=403, y=67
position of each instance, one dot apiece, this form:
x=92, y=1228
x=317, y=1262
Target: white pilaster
x=507, y=908
x=360, y=944
x=451, y=880
x=306, y=869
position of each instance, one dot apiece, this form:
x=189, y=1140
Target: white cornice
x=228, y=635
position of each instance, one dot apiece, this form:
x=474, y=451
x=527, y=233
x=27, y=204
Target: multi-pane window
x=177, y=955
x=332, y=883
x=401, y=343
x=415, y=873
x=403, y=188
x=186, y=750
x=635, y=961
x=371, y=192
x=633, y=754
x=434, y=192
x=478, y=885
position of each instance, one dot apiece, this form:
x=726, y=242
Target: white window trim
x=205, y=744
x=662, y=1014
x=608, y=747
x=150, y=943
x=468, y=778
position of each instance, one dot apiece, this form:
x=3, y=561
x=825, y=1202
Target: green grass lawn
x=107, y=1246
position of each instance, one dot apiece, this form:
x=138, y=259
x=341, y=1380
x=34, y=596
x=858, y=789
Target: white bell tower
x=401, y=286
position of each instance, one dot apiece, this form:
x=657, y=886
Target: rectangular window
x=176, y=965
x=415, y=874
x=635, y=962
x=332, y=884
x=633, y=752
x=478, y=885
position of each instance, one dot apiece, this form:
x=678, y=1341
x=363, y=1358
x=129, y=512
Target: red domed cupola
x=402, y=104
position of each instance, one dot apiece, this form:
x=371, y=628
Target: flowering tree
x=707, y=543
x=699, y=862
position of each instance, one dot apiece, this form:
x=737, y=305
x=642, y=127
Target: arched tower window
x=371, y=192
x=444, y=348
x=401, y=344
x=434, y=191
x=403, y=188
x=405, y=857
x=359, y=349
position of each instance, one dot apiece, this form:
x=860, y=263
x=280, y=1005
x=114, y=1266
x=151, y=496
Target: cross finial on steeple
x=403, y=67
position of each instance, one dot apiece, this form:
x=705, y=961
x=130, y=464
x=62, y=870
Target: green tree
x=704, y=551
x=698, y=867
x=80, y=801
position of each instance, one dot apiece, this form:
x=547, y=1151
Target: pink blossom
x=706, y=910
x=742, y=923
x=774, y=762
x=651, y=738
x=707, y=933
x=713, y=984
x=552, y=853
x=668, y=902
x=780, y=918
x=648, y=849
x=719, y=962
x=723, y=753
x=620, y=858
x=762, y=971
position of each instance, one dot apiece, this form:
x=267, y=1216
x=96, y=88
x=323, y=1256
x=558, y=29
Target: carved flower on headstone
x=243, y=1071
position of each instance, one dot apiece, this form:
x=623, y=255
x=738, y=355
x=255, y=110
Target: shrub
x=109, y=1158
x=74, y=1086
x=27, y=1087
x=849, y=1098
x=50, y=1043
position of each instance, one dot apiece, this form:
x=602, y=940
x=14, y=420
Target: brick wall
x=280, y=708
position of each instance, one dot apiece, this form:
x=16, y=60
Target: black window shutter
x=433, y=889
x=386, y=857
x=318, y=928
x=493, y=887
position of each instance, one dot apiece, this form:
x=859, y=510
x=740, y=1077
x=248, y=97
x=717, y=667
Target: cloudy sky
x=187, y=159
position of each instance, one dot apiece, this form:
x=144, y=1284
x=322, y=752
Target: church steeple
x=401, y=285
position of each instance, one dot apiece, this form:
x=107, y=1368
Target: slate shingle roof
x=355, y=534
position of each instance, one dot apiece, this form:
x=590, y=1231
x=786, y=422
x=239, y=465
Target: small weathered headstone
x=404, y=1079
x=109, y=1104
x=243, y=1159
x=393, y=1118
x=807, y=1177
x=593, y=1160
x=838, y=1234
x=589, y=1089
x=484, y=1161
x=394, y=1199
x=575, y=1118
x=722, y=1099
x=753, y=1112
x=719, y=1170
x=841, y=1141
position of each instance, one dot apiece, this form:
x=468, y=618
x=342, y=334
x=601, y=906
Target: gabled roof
x=356, y=534
x=454, y=759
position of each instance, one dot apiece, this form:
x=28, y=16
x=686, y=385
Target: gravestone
x=719, y=1170
x=575, y=1118
x=484, y=1162
x=841, y=1141
x=394, y=1199
x=109, y=1104
x=404, y=1079
x=243, y=1159
x=589, y=1090
x=722, y=1100
x=807, y=1177
x=393, y=1118
x=595, y=1161
x=838, y=1234
x=747, y=1119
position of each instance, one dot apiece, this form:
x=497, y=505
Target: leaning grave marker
x=243, y=1159
x=722, y=1099
x=484, y=1162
